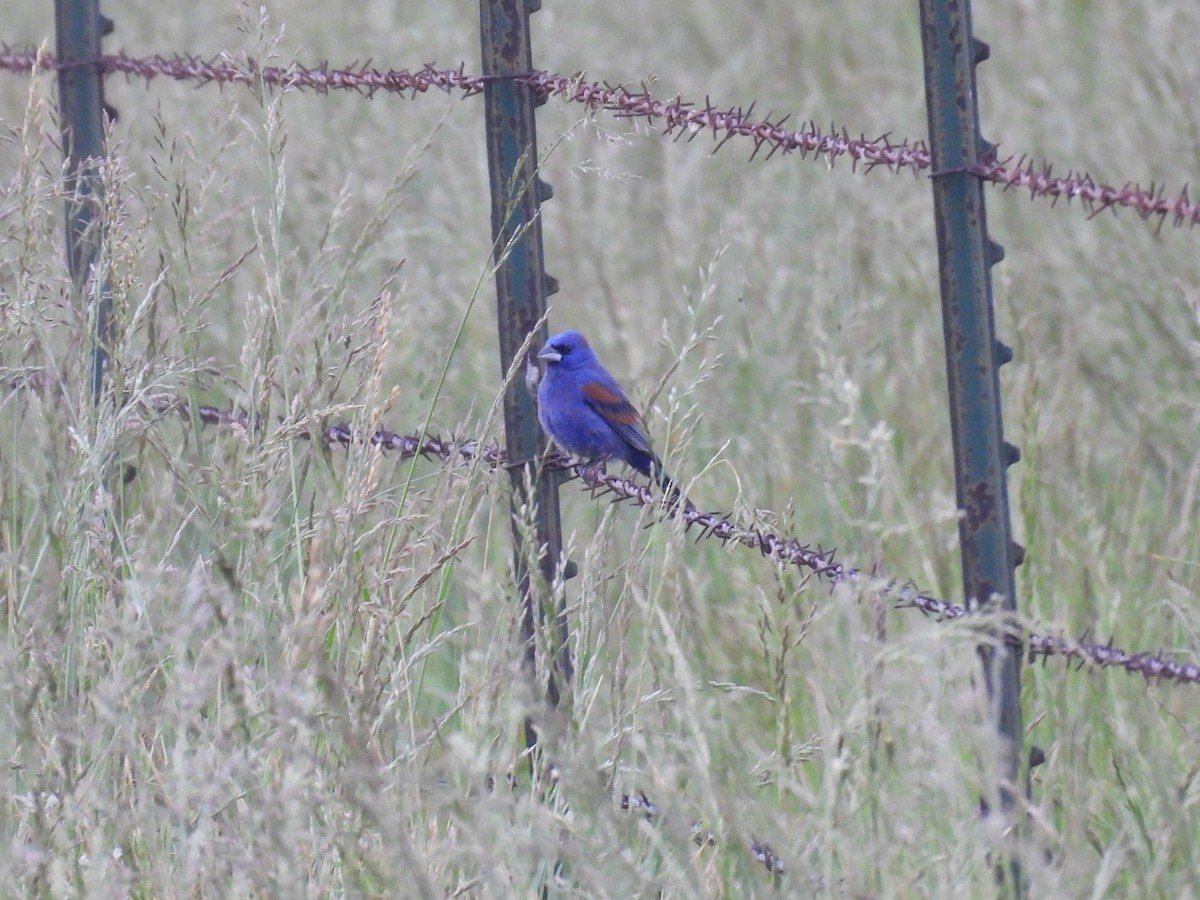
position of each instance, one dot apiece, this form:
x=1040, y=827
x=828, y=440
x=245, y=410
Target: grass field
x=291, y=672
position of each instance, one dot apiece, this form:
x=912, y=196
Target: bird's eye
x=564, y=349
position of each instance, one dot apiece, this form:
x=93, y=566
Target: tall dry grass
x=266, y=668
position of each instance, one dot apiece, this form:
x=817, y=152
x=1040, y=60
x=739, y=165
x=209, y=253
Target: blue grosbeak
x=583, y=408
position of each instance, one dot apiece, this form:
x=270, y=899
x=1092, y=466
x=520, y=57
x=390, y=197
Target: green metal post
x=973, y=358
x=522, y=286
x=79, y=27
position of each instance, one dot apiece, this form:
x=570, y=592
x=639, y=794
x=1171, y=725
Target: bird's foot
x=594, y=470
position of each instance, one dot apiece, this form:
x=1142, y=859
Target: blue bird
x=581, y=406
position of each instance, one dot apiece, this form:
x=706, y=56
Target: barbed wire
x=1151, y=665
x=788, y=551
x=680, y=118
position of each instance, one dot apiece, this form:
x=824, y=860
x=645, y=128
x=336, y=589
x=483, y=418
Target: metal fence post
x=973, y=358
x=522, y=286
x=79, y=27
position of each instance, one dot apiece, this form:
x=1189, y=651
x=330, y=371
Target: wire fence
x=1152, y=665
x=679, y=118
x=790, y=551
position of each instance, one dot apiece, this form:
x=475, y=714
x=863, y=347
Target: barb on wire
x=680, y=119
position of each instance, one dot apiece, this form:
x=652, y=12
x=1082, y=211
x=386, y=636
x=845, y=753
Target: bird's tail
x=675, y=497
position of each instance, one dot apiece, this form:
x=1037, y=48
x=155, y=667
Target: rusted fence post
x=79, y=27
x=973, y=359
x=522, y=286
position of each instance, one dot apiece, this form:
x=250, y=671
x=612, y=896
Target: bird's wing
x=614, y=407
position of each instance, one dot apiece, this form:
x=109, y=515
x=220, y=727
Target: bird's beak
x=550, y=354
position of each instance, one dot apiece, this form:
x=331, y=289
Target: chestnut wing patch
x=614, y=407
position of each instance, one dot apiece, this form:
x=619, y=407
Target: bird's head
x=568, y=349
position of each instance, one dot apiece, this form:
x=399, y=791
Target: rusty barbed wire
x=1151, y=665
x=788, y=551
x=680, y=118
x=227, y=69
